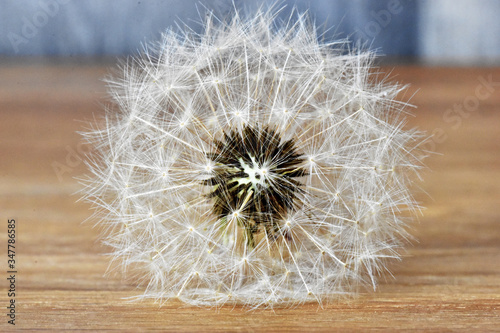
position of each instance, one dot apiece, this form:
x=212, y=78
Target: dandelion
x=253, y=165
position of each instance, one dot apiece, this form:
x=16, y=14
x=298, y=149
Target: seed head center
x=256, y=174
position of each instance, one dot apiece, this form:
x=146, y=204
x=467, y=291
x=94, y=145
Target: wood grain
x=449, y=280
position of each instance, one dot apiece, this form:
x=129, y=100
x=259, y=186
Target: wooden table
x=449, y=279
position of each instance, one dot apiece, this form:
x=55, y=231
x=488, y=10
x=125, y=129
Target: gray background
x=432, y=31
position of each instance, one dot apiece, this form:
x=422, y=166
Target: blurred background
x=441, y=32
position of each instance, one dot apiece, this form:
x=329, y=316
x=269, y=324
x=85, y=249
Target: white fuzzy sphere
x=311, y=231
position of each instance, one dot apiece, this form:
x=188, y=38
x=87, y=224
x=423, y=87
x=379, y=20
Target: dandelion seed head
x=252, y=164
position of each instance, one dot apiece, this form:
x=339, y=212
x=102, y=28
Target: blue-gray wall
x=443, y=31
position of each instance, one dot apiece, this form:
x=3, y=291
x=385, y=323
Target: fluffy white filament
x=184, y=93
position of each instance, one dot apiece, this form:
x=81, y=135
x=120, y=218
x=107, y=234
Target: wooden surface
x=448, y=280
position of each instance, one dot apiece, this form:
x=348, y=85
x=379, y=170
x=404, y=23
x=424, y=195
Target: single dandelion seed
x=253, y=165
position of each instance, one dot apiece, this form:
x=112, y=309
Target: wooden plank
x=448, y=280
